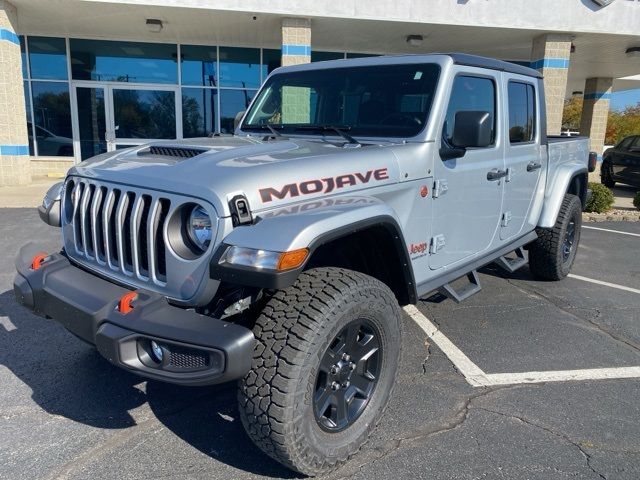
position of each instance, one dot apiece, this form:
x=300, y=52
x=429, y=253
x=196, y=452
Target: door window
x=624, y=145
x=144, y=114
x=471, y=94
x=522, y=114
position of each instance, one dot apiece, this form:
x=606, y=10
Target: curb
x=608, y=217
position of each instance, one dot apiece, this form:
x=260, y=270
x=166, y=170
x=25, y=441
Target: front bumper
x=197, y=350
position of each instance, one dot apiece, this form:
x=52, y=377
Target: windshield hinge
x=440, y=187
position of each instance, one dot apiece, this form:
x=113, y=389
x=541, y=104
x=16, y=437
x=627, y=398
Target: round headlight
x=199, y=227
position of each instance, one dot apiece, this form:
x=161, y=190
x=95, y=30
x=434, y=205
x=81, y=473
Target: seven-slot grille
x=119, y=228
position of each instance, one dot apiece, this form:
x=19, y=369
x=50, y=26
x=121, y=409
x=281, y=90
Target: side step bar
x=512, y=264
x=465, y=292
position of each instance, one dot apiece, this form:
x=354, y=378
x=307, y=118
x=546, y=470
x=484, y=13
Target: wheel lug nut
x=346, y=384
x=335, y=386
x=333, y=370
x=352, y=366
x=346, y=357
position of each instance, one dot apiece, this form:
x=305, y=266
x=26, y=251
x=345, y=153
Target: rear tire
x=606, y=176
x=552, y=254
x=314, y=348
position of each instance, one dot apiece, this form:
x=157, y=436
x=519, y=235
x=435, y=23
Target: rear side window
x=625, y=144
x=471, y=94
x=522, y=112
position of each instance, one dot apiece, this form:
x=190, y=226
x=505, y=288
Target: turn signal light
x=292, y=259
x=38, y=260
x=125, y=305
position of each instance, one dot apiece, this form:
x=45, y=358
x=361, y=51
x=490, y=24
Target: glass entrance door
x=109, y=117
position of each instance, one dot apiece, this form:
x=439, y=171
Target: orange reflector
x=38, y=260
x=292, y=259
x=126, y=301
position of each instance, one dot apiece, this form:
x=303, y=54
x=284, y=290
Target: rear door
x=466, y=208
x=618, y=157
x=631, y=162
x=523, y=156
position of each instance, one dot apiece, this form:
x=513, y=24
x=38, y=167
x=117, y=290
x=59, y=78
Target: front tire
x=606, y=176
x=552, y=254
x=323, y=369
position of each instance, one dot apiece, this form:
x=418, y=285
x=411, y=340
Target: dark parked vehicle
x=622, y=163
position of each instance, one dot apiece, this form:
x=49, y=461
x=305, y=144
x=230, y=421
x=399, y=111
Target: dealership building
x=81, y=77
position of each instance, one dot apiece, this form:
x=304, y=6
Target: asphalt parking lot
x=67, y=413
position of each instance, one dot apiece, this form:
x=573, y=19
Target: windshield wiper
x=332, y=128
x=265, y=126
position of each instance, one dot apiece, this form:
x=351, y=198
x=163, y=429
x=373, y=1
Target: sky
x=627, y=98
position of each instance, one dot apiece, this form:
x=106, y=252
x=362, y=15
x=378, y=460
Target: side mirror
x=472, y=129
x=238, y=117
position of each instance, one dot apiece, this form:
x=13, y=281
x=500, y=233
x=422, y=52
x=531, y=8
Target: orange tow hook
x=38, y=260
x=125, y=305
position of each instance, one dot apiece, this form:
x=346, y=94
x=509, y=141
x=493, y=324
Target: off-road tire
x=606, y=176
x=293, y=332
x=546, y=259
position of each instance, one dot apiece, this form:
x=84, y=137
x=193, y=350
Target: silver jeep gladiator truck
x=280, y=257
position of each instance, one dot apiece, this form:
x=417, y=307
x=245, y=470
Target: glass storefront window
x=23, y=55
x=144, y=114
x=271, y=59
x=48, y=58
x=91, y=121
x=323, y=56
x=198, y=65
x=231, y=103
x=136, y=62
x=361, y=55
x=27, y=104
x=239, y=67
x=52, y=118
x=199, y=106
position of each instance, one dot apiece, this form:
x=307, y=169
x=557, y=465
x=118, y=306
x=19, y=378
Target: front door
x=523, y=156
x=113, y=116
x=467, y=209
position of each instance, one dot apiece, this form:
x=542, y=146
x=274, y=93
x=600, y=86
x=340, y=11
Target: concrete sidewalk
x=624, y=197
x=26, y=195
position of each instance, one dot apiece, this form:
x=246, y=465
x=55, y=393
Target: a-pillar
x=550, y=56
x=15, y=168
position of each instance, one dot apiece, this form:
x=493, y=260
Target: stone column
x=15, y=168
x=296, y=41
x=595, y=113
x=296, y=48
x=550, y=56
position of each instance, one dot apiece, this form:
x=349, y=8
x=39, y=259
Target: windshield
x=375, y=101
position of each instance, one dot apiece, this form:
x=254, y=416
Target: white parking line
x=612, y=231
x=476, y=377
x=606, y=284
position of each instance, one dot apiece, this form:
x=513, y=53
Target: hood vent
x=169, y=151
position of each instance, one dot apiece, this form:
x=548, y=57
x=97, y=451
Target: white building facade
x=81, y=77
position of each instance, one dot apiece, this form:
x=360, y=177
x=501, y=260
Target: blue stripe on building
x=550, y=63
x=597, y=96
x=9, y=36
x=14, y=149
x=296, y=50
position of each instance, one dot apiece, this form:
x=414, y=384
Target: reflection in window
x=48, y=58
x=271, y=59
x=362, y=55
x=521, y=112
x=52, y=118
x=324, y=56
x=27, y=104
x=470, y=94
x=123, y=61
x=23, y=56
x=239, y=67
x=198, y=111
x=198, y=65
x=144, y=113
x=231, y=103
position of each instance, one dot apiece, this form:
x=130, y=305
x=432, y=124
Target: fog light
x=157, y=351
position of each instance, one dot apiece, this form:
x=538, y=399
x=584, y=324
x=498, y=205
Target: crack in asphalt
x=568, y=311
x=562, y=436
x=456, y=420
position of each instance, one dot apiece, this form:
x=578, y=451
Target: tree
x=572, y=113
x=623, y=123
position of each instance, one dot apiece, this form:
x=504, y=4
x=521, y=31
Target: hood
x=270, y=173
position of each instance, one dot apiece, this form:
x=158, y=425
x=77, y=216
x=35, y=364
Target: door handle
x=533, y=166
x=496, y=174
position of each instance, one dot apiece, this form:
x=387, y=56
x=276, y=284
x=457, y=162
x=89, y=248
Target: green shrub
x=636, y=200
x=601, y=199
